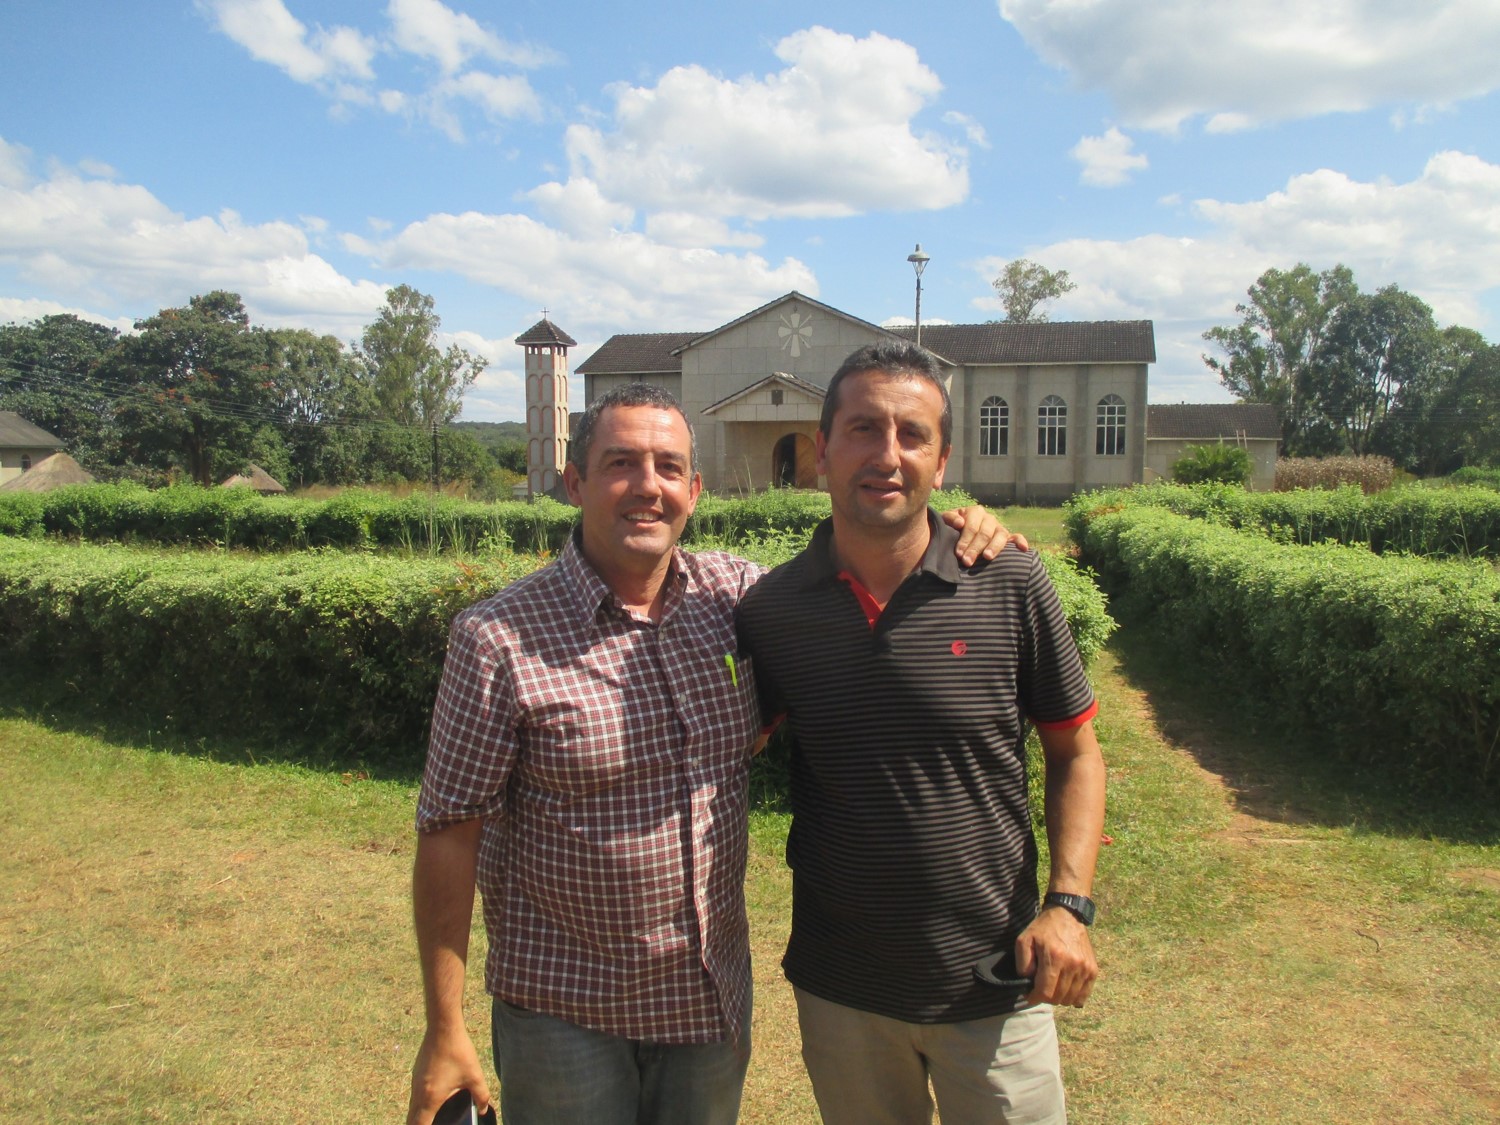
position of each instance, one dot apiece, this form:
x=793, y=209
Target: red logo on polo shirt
x=959, y=648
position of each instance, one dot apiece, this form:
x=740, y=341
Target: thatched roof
x=50, y=472
x=257, y=478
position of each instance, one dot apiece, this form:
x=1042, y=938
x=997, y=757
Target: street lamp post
x=918, y=262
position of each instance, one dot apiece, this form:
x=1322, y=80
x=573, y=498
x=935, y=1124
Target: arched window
x=1052, y=427
x=994, y=427
x=1109, y=426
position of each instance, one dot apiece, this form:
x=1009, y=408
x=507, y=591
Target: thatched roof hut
x=49, y=473
x=257, y=478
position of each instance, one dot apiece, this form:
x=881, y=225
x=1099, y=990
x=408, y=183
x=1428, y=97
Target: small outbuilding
x=257, y=478
x=1253, y=426
x=50, y=472
x=22, y=446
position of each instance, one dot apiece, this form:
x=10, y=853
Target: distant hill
x=491, y=435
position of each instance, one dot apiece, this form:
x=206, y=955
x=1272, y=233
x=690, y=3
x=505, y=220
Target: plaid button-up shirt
x=609, y=756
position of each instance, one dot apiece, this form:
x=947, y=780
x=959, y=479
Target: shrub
x=1371, y=474
x=1219, y=464
x=1393, y=659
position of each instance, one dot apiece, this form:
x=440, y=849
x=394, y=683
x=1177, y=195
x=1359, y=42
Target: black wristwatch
x=1079, y=906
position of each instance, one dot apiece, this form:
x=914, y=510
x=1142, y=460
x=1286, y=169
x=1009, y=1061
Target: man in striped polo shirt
x=907, y=681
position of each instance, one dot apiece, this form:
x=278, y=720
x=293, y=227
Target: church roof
x=1080, y=341
x=1088, y=341
x=633, y=353
x=545, y=332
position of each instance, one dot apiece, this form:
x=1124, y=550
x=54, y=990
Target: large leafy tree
x=1371, y=365
x=323, y=404
x=51, y=373
x=415, y=382
x=200, y=387
x=1267, y=355
x=1024, y=285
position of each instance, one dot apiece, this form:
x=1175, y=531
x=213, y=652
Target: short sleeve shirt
x=911, y=846
x=609, y=756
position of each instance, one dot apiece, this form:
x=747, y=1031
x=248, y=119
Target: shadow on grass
x=63, y=707
x=1279, y=772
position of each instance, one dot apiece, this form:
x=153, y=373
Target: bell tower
x=546, y=404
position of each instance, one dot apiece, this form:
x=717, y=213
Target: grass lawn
x=190, y=939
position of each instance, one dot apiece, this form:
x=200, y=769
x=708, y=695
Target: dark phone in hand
x=459, y=1110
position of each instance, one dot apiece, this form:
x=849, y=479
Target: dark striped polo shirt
x=911, y=848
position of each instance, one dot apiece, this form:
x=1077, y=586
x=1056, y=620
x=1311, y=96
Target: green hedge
x=1439, y=523
x=187, y=515
x=343, y=650
x=240, y=517
x=1395, y=658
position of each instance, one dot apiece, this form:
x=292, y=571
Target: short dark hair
x=627, y=394
x=897, y=358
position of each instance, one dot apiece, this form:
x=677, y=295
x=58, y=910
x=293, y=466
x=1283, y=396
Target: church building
x=1040, y=411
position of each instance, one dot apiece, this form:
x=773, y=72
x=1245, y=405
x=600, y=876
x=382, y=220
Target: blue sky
x=667, y=167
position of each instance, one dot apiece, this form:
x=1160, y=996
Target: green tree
x=1268, y=353
x=415, y=382
x=323, y=405
x=1022, y=287
x=1372, y=359
x=50, y=374
x=1219, y=464
x=200, y=387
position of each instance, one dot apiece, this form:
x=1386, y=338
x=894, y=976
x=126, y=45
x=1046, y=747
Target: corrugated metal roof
x=1212, y=420
x=1080, y=341
x=637, y=353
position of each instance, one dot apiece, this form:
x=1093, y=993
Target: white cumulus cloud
x=831, y=134
x=1437, y=236
x=434, y=31
x=94, y=241
x=609, y=281
x=1241, y=64
x=1108, y=161
x=273, y=35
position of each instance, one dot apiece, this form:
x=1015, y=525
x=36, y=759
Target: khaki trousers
x=868, y=1069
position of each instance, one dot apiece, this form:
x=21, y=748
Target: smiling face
x=638, y=493
x=883, y=452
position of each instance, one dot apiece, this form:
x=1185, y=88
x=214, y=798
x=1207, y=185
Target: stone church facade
x=1039, y=410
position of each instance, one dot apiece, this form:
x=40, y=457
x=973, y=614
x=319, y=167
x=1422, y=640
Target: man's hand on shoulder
x=1056, y=952
x=446, y=1063
x=983, y=534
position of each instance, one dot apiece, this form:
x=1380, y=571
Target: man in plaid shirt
x=587, y=771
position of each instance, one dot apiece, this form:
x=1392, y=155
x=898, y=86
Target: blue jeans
x=553, y=1072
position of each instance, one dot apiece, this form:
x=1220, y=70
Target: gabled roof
x=1080, y=341
x=545, y=332
x=17, y=433
x=810, y=389
x=638, y=353
x=792, y=296
x=1211, y=421
x=52, y=471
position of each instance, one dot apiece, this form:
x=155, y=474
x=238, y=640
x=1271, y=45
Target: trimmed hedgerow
x=340, y=649
x=187, y=515
x=239, y=517
x=1441, y=523
x=344, y=650
x=1393, y=658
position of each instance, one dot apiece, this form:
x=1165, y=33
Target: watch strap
x=1080, y=906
